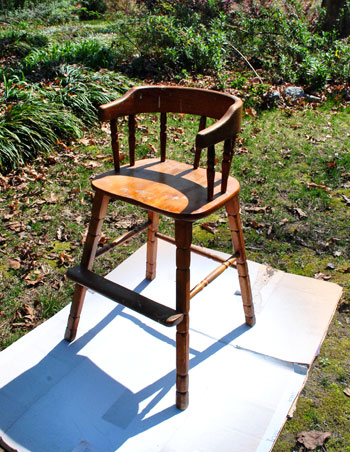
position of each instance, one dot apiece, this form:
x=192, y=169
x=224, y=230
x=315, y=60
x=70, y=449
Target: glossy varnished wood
x=232, y=208
x=99, y=209
x=178, y=190
x=170, y=188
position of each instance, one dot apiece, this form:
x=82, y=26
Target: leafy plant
x=29, y=125
x=91, y=9
x=39, y=12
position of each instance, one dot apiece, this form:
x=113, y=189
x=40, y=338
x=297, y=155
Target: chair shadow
x=123, y=419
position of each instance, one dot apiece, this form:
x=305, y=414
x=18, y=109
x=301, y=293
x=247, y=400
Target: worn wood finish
x=232, y=208
x=115, y=143
x=171, y=188
x=178, y=190
x=224, y=107
x=197, y=157
x=183, y=238
x=226, y=162
x=197, y=250
x=132, y=300
x=211, y=172
x=151, y=260
x=99, y=209
x=132, y=139
x=163, y=136
x=213, y=275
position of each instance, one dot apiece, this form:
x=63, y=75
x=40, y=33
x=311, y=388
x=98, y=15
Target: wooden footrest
x=133, y=300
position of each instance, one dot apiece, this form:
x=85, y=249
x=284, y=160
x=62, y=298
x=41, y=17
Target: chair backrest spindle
x=226, y=162
x=132, y=140
x=115, y=144
x=224, y=108
x=197, y=156
x=211, y=172
x=163, y=136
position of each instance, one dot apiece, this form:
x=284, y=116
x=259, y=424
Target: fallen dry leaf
x=346, y=199
x=322, y=276
x=15, y=265
x=256, y=209
x=314, y=185
x=347, y=392
x=52, y=199
x=251, y=112
x=300, y=212
x=313, y=439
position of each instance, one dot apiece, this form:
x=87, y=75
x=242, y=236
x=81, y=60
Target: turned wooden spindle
x=151, y=259
x=232, y=208
x=183, y=238
x=197, y=156
x=163, y=136
x=99, y=209
x=226, y=163
x=115, y=144
x=211, y=172
x=132, y=140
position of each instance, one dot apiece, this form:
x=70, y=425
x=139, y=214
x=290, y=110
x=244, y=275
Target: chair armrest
x=226, y=127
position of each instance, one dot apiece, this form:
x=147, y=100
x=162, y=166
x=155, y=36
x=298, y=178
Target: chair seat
x=171, y=188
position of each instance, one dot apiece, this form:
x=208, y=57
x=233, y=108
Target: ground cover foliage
x=292, y=157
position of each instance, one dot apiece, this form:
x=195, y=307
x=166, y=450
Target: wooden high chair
x=178, y=190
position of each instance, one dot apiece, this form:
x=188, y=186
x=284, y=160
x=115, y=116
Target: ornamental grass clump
x=29, y=124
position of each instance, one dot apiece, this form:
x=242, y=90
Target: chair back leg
x=183, y=240
x=99, y=210
x=152, y=242
x=232, y=208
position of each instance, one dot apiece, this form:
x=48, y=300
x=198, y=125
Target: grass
x=293, y=162
x=294, y=167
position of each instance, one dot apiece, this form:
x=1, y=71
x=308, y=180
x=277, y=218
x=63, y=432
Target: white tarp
x=113, y=388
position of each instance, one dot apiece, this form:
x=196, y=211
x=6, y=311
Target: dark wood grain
x=171, y=188
x=133, y=300
x=99, y=209
x=132, y=139
x=232, y=208
x=183, y=239
x=174, y=189
x=163, y=136
x=202, y=125
x=151, y=258
x=115, y=143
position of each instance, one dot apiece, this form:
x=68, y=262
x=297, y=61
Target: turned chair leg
x=99, y=209
x=232, y=208
x=183, y=239
x=152, y=244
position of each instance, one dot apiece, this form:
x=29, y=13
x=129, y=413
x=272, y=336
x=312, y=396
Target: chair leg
x=232, y=208
x=152, y=243
x=99, y=209
x=183, y=239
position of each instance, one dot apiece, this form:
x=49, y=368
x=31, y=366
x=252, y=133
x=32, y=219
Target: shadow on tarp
x=80, y=401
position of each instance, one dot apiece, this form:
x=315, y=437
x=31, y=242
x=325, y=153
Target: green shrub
x=48, y=13
x=91, y=53
x=92, y=9
x=19, y=43
x=167, y=47
x=81, y=92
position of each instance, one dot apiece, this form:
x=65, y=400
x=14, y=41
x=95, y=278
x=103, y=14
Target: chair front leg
x=232, y=208
x=183, y=239
x=152, y=245
x=99, y=209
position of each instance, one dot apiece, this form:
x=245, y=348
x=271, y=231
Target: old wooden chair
x=178, y=190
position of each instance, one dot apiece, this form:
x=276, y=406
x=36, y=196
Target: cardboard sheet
x=113, y=388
